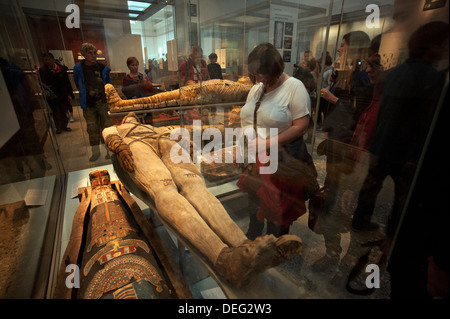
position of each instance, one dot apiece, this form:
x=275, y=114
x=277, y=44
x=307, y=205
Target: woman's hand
x=327, y=95
x=136, y=79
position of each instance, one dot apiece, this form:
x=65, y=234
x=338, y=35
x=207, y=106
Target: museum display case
x=343, y=52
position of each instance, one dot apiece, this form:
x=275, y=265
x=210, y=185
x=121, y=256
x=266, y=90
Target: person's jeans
x=97, y=119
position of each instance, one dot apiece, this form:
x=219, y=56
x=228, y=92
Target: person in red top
x=136, y=84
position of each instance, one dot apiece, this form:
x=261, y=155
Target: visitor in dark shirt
x=214, y=69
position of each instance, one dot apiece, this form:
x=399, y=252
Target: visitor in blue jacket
x=90, y=78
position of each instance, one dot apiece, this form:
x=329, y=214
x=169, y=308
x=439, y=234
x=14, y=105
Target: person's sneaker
x=365, y=227
x=71, y=119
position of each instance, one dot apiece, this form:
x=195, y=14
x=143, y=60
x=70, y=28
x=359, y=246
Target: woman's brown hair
x=132, y=59
x=265, y=59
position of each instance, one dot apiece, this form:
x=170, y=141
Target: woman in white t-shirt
x=284, y=104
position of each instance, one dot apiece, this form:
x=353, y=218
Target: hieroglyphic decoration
x=121, y=271
x=115, y=249
x=115, y=255
x=127, y=292
x=167, y=181
x=135, y=290
x=108, y=223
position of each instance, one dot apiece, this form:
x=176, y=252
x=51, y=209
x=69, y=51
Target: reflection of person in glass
x=360, y=142
x=408, y=105
x=408, y=101
x=55, y=77
x=24, y=147
x=352, y=93
x=90, y=78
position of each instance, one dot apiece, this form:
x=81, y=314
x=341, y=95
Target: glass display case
x=355, y=61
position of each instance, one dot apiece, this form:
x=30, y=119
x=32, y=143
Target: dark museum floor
x=315, y=280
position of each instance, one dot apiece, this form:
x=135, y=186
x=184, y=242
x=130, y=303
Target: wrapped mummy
x=207, y=92
x=184, y=203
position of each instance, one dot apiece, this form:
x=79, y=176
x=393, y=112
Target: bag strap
x=188, y=69
x=258, y=103
x=256, y=109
